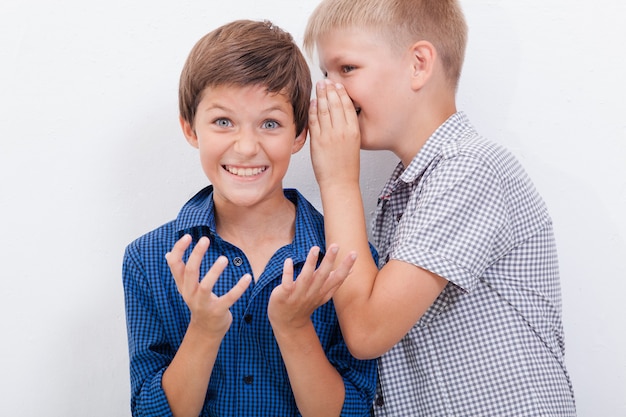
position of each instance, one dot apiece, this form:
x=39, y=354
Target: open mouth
x=244, y=171
x=358, y=110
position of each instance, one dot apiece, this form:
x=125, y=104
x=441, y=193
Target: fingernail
x=338, y=86
x=321, y=84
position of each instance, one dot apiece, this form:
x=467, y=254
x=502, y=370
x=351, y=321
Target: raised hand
x=335, y=135
x=292, y=302
x=209, y=313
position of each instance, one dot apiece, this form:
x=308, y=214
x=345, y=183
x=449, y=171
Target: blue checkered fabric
x=249, y=377
x=492, y=343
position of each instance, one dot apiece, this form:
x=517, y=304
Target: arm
x=375, y=308
x=317, y=386
x=186, y=379
x=149, y=349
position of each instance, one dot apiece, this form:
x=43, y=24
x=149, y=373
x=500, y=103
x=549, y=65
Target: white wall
x=91, y=157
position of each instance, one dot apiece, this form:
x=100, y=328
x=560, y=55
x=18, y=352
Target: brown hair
x=243, y=53
x=402, y=22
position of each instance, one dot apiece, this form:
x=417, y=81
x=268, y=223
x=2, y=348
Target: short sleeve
x=454, y=222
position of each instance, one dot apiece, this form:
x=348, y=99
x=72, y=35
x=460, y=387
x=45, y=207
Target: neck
x=258, y=231
x=432, y=111
x=245, y=226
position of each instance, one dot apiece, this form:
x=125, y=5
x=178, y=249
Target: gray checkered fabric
x=492, y=343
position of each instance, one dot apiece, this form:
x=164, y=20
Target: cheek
x=363, y=94
x=281, y=155
x=208, y=157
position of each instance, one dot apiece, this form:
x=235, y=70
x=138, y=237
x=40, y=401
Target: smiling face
x=376, y=77
x=246, y=137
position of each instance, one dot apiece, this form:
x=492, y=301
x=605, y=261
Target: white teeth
x=244, y=172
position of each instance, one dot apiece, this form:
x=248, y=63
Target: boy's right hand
x=209, y=313
x=335, y=136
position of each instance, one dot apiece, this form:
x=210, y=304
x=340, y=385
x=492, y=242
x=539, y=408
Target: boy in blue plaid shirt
x=216, y=324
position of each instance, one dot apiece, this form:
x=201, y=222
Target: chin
x=367, y=145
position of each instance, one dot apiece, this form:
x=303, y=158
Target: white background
x=91, y=157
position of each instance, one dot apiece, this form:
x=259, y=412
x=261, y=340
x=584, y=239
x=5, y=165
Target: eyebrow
x=334, y=60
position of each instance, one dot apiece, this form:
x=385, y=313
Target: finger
x=345, y=267
x=213, y=274
x=314, y=126
x=287, y=281
x=323, y=112
x=335, y=105
x=174, y=260
x=327, y=263
x=347, y=104
x=237, y=291
x=310, y=264
x=179, y=248
x=192, y=269
x=330, y=286
x=339, y=275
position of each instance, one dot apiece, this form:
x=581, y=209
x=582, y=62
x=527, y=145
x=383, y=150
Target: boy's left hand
x=292, y=302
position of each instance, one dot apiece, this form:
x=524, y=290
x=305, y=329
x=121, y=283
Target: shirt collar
x=445, y=133
x=197, y=213
x=197, y=217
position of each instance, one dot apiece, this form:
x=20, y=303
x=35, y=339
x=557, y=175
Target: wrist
x=199, y=332
x=292, y=329
x=339, y=186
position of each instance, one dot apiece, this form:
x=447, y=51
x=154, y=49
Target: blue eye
x=271, y=124
x=347, y=68
x=223, y=122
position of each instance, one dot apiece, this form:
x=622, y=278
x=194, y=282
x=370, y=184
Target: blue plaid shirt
x=249, y=377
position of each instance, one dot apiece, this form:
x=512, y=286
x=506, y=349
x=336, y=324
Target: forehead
x=341, y=44
x=255, y=93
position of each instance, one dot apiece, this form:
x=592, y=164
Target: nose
x=246, y=142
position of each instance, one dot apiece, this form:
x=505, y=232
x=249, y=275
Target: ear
x=189, y=132
x=423, y=57
x=299, y=142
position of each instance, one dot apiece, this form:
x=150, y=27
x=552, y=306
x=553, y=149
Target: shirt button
x=379, y=401
x=237, y=261
x=248, y=379
x=248, y=318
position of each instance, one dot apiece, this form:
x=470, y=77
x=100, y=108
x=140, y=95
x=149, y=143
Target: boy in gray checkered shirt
x=464, y=308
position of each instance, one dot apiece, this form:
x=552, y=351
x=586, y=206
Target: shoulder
x=309, y=222
x=155, y=242
x=475, y=150
x=303, y=206
x=193, y=213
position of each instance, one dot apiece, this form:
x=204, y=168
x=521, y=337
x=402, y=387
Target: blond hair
x=402, y=22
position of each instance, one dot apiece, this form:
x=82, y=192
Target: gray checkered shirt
x=492, y=342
